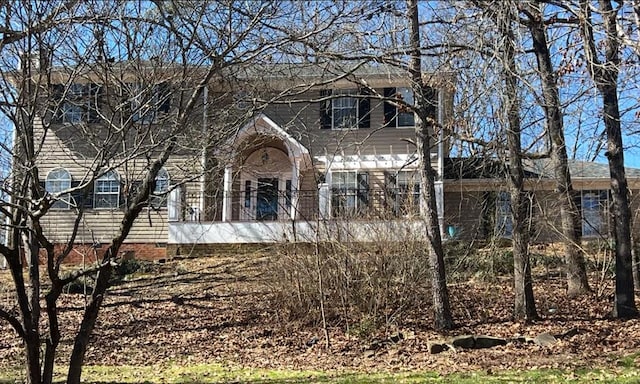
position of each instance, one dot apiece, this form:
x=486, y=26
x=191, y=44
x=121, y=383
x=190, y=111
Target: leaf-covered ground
x=216, y=310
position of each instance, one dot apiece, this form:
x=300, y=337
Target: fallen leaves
x=216, y=311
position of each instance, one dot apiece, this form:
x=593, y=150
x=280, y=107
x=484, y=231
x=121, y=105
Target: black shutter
x=164, y=97
x=364, y=109
x=577, y=199
x=431, y=98
x=79, y=198
x=57, y=93
x=363, y=190
x=390, y=110
x=325, y=109
x=95, y=94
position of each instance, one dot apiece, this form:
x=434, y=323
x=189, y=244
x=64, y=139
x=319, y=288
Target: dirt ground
x=216, y=309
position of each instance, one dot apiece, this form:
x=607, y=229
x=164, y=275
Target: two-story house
x=300, y=155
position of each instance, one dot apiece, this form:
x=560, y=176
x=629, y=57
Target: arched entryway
x=267, y=165
x=265, y=182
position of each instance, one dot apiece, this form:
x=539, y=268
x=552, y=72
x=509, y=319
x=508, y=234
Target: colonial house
x=326, y=158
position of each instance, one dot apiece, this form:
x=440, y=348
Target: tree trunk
x=442, y=312
x=87, y=325
x=577, y=282
x=524, y=305
x=605, y=76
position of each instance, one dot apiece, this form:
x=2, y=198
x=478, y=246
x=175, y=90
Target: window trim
x=150, y=99
x=392, y=112
x=603, y=201
x=359, y=191
x=64, y=201
x=110, y=176
x=80, y=103
x=158, y=197
x=343, y=95
x=361, y=99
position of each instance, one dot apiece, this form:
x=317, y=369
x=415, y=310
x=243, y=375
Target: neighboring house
x=335, y=161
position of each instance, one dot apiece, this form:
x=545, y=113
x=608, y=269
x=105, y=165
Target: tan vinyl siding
x=302, y=120
x=102, y=225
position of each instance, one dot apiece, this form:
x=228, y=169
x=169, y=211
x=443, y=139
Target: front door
x=267, y=199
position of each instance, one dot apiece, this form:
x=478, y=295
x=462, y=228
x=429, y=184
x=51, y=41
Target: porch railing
x=305, y=206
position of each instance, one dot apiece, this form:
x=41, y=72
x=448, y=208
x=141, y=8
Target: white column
x=440, y=206
x=174, y=204
x=324, y=201
x=295, y=187
x=226, y=194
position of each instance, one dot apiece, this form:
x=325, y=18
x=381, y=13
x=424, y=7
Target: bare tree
x=442, y=311
x=577, y=282
x=85, y=82
x=604, y=68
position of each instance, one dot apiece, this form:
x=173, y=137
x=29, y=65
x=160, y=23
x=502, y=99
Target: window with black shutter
x=398, y=112
x=163, y=92
x=93, y=105
x=345, y=109
x=349, y=193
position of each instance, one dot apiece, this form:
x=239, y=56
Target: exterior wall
x=468, y=208
x=302, y=120
x=464, y=212
x=88, y=254
x=101, y=225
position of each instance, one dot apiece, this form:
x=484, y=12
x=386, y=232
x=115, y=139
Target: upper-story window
x=106, y=193
x=397, y=106
x=147, y=102
x=158, y=198
x=78, y=103
x=57, y=181
x=345, y=109
x=595, y=211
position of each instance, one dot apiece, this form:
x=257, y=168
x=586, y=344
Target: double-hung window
x=158, y=198
x=595, y=210
x=398, y=111
x=57, y=181
x=79, y=103
x=349, y=193
x=345, y=109
x=504, y=217
x=403, y=192
x=147, y=102
x=106, y=193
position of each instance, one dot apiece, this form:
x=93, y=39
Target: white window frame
x=75, y=108
x=594, y=217
x=58, y=180
x=504, y=215
x=107, y=185
x=350, y=192
x=345, y=101
x=158, y=198
x=405, y=94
